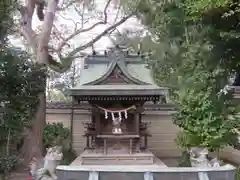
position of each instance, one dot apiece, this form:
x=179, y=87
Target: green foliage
x=8, y=164
x=185, y=160
x=237, y=174
x=7, y=7
x=183, y=140
x=57, y=134
x=196, y=8
x=204, y=114
x=195, y=58
x=68, y=156
x=201, y=116
x=21, y=81
x=54, y=134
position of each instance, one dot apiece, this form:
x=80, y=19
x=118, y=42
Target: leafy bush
x=207, y=119
x=21, y=81
x=183, y=140
x=185, y=160
x=235, y=142
x=237, y=177
x=57, y=134
x=68, y=156
x=54, y=134
x=8, y=163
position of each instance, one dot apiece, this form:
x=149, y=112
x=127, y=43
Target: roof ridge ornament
x=139, y=49
x=94, y=53
x=116, y=54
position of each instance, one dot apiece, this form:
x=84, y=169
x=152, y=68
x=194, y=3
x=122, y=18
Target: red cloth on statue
x=30, y=178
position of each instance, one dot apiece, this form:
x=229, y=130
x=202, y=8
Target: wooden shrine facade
x=116, y=96
x=99, y=132
x=102, y=131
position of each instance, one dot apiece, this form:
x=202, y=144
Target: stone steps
x=115, y=158
x=118, y=160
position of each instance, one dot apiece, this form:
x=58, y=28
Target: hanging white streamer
x=106, y=111
x=120, y=116
x=106, y=114
x=113, y=118
x=126, y=115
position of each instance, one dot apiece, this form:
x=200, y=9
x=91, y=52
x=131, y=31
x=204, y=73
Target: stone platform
x=91, y=157
x=143, y=172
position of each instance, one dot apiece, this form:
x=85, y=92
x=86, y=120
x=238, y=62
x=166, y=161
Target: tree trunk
x=48, y=91
x=8, y=141
x=33, y=141
x=40, y=121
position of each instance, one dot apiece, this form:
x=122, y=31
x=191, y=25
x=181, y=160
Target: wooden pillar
x=140, y=118
x=131, y=146
x=97, y=119
x=87, y=142
x=145, y=141
x=71, y=121
x=105, y=146
x=136, y=117
x=137, y=124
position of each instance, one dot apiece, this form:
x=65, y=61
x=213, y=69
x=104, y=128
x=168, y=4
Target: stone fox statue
x=46, y=170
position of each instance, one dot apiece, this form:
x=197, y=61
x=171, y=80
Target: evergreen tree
x=195, y=57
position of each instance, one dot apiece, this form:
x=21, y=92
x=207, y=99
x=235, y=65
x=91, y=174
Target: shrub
x=237, y=177
x=207, y=119
x=68, y=156
x=185, y=160
x=57, y=134
x=8, y=163
x=54, y=134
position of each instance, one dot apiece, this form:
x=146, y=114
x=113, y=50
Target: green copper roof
x=93, y=72
x=97, y=68
x=139, y=71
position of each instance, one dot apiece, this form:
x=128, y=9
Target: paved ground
x=19, y=175
x=171, y=162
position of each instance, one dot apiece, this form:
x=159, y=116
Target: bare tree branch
x=69, y=19
x=105, y=32
x=81, y=14
x=104, y=21
x=62, y=7
x=40, y=41
x=26, y=24
x=118, y=10
x=42, y=53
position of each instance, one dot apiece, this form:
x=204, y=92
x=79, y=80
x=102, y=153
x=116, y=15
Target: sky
x=65, y=24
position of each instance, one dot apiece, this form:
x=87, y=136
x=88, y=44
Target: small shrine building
x=120, y=113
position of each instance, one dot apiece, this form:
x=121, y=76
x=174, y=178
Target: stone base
x=143, y=172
